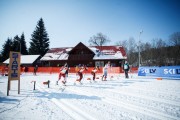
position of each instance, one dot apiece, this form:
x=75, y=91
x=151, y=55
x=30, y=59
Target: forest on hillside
x=157, y=52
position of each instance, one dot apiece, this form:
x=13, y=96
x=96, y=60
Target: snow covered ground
x=137, y=98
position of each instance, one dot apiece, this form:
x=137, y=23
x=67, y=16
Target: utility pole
x=139, y=55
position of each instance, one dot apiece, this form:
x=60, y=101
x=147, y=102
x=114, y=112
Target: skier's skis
x=62, y=88
x=77, y=83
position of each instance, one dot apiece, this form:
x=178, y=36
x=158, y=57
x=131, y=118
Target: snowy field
x=137, y=98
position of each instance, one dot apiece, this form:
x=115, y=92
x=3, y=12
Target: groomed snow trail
x=117, y=99
x=72, y=110
x=129, y=105
x=147, y=110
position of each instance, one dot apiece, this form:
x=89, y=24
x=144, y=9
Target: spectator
x=35, y=69
x=126, y=69
x=26, y=69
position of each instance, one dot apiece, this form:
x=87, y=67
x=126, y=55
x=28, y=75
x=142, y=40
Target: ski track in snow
x=153, y=112
x=70, y=109
x=28, y=105
x=118, y=98
x=134, y=106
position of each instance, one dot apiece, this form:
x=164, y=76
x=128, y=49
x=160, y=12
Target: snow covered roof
x=108, y=52
x=101, y=53
x=57, y=54
x=25, y=59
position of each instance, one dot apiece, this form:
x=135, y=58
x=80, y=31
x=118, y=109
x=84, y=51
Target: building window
x=99, y=63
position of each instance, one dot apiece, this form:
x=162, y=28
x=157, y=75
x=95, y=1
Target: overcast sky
x=70, y=21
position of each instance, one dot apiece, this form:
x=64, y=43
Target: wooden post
x=34, y=85
x=19, y=86
x=48, y=83
x=8, y=87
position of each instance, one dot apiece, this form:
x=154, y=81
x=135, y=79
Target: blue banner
x=165, y=71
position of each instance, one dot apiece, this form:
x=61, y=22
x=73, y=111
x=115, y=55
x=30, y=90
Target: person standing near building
x=6, y=70
x=35, y=69
x=105, y=71
x=126, y=69
x=26, y=69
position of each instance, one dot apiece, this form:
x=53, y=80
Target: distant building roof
x=57, y=54
x=25, y=59
x=108, y=52
x=101, y=53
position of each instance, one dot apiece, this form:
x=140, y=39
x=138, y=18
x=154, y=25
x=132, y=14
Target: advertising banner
x=165, y=71
x=170, y=71
x=148, y=71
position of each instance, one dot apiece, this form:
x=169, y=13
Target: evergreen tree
x=39, y=42
x=16, y=44
x=6, y=48
x=23, y=45
x=1, y=58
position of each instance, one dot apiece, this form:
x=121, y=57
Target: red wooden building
x=86, y=55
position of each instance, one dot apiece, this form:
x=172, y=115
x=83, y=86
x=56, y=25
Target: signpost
x=14, y=69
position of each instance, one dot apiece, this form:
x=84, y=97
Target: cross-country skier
x=62, y=73
x=80, y=73
x=105, y=71
x=93, y=72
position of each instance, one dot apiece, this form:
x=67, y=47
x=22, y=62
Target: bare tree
x=175, y=51
x=175, y=39
x=98, y=40
x=146, y=54
x=160, y=52
x=160, y=43
x=123, y=43
x=130, y=48
x=132, y=58
x=156, y=53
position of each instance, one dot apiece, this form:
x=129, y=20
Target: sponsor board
x=164, y=71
